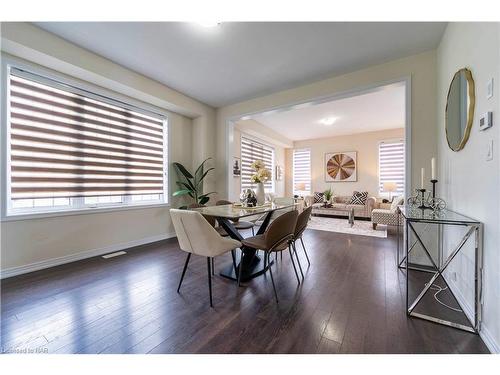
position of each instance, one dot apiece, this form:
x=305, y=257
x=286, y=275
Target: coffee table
x=350, y=214
x=327, y=206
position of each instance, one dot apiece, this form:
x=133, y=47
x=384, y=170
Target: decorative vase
x=261, y=196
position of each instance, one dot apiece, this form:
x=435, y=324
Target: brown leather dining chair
x=277, y=238
x=301, y=226
x=238, y=224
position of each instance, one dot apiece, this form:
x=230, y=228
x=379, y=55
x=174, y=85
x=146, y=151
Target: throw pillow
x=397, y=202
x=318, y=197
x=359, y=198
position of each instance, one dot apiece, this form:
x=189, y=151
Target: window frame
x=392, y=140
x=273, y=171
x=310, y=169
x=96, y=92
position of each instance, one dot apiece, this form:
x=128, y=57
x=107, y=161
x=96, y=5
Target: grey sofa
x=339, y=206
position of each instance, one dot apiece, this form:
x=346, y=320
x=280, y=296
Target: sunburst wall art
x=341, y=167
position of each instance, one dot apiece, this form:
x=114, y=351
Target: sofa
x=340, y=204
x=387, y=214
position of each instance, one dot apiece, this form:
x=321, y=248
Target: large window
x=71, y=149
x=302, y=171
x=392, y=165
x=252, y=150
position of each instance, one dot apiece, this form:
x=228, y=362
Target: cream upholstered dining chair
x=197, y=236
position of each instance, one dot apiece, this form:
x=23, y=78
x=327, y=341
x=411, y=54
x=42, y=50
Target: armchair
x=387, y=215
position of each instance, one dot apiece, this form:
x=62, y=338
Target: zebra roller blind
x=250, y=151
x=392, y=165
x=301, y=171
x=65, y=142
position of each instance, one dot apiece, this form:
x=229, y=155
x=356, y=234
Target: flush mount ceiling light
x=327, y=121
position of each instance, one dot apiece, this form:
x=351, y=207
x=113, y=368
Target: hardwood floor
x=352, y=301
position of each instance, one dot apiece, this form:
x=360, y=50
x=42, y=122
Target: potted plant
x=192, y=184
x=327, y=196
x=261, y=175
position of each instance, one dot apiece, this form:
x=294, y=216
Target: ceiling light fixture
x=328, y=121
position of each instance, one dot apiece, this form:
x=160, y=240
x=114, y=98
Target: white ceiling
x=238, y=61
x=380, y=109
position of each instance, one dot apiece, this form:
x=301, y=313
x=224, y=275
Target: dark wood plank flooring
x=352, y=301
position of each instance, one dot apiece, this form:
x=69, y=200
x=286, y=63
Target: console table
x=412, y=216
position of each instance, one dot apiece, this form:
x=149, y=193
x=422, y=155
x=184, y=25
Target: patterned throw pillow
x=359, y=198
x=318, y=197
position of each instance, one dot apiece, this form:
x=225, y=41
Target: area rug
x=360, y=227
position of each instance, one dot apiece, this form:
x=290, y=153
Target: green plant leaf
x=179, y=193
x=199, y=174
x=183, y=170
x=203, y=200
x=206, y=195
x=181, y=174
x=204, y=175
x=201, y=166
x=185, y=185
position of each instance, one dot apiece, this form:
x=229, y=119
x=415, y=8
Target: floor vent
x=112, y=255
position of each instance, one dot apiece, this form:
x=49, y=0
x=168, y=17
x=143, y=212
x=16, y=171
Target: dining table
x=226, y=216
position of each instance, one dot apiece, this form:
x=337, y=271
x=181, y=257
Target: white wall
x=366, y=146
x=422, y=70
x=35, y=243
x=468, y=182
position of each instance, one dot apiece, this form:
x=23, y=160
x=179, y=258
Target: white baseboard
x=484, y=333
x=15, y=271
x=489, y=340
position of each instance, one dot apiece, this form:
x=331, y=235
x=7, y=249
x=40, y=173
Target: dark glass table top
x=444, y=216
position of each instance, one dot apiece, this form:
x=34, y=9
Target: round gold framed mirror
x=460, y=109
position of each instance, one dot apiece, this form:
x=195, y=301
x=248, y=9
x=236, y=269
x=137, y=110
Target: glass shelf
x=445, y=216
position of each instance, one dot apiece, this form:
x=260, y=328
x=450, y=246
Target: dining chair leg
x=305, y=252
x=272, y=279
x=184, y=271
x=209, y=280
x=276, y=257
x=240, y=270
x=233, y=255
x=213, y=266
x=298, y=261
x=293, y=264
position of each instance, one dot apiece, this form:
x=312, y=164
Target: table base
x=251, y=269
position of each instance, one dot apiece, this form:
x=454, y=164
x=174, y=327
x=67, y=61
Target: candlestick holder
x=434, y=182
x=423, y=206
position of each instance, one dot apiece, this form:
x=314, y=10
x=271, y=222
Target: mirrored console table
x=413, y=237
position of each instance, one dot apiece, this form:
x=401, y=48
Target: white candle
x=422, y=172
x=433, y=168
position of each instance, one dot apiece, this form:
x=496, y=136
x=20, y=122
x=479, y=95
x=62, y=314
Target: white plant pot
x=260, y=194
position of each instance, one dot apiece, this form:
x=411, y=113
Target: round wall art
x=340, y=167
